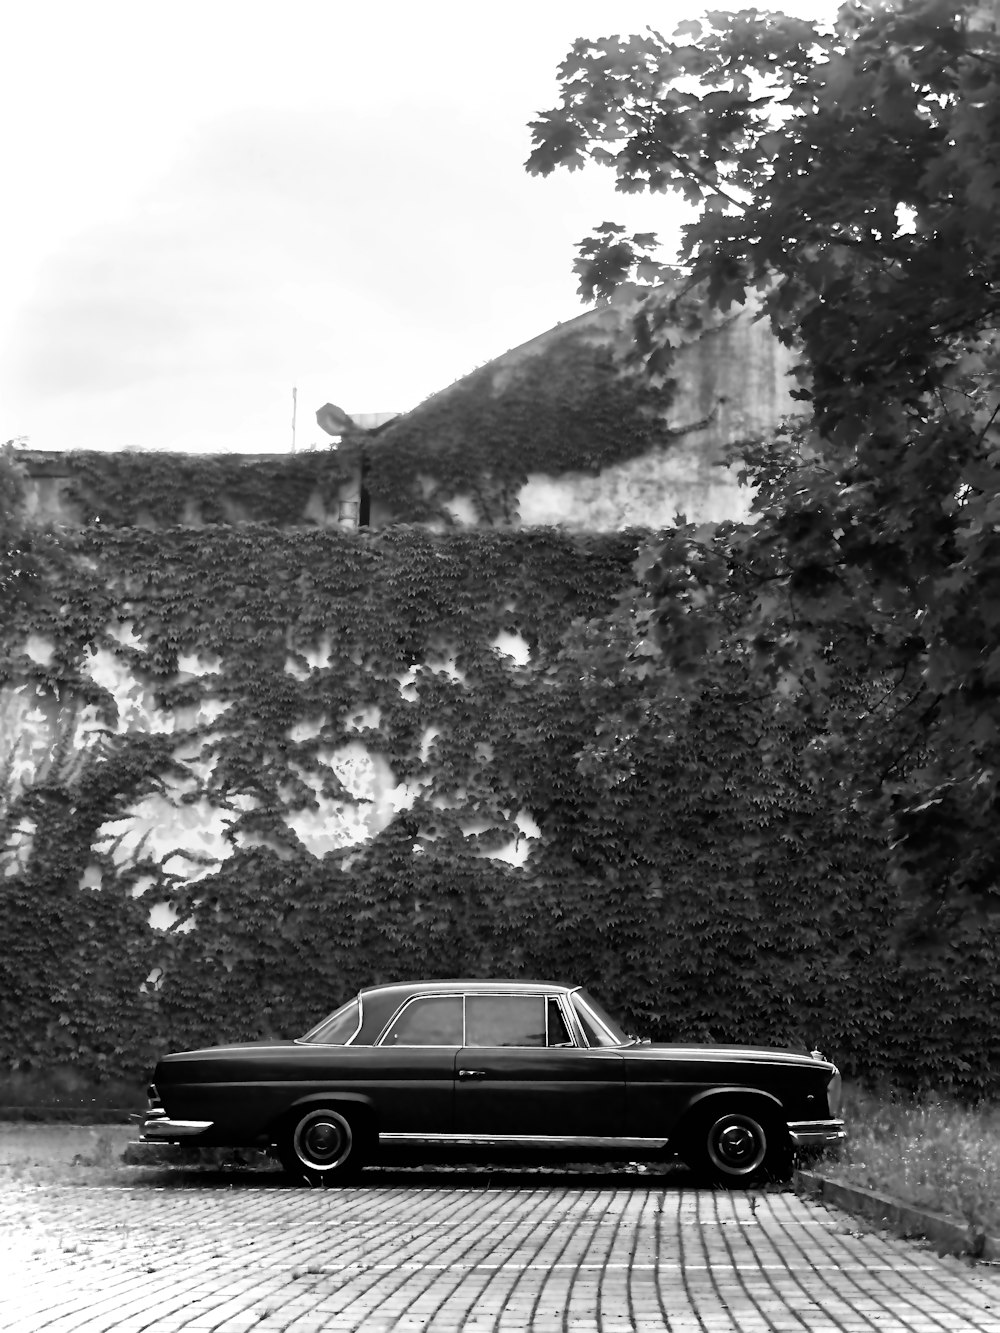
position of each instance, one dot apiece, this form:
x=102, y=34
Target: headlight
x=834, y=1092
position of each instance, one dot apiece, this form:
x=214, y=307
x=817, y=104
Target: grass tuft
x=105, y=1152
x=933, y=1152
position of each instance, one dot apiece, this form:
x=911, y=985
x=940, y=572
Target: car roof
x=471, y=984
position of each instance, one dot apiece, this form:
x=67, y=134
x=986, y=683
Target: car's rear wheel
x=738, y=1146
x=320, y=1145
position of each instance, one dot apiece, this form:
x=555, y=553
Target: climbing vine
x=570, y=408
x=249, y=770
x=164, y=489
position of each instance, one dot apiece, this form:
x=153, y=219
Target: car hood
x=653, y=1050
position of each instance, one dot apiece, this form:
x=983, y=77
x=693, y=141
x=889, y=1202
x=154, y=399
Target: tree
x=848, y=181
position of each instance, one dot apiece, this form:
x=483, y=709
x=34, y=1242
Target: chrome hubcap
x=322, y=1141
x=737, y=1145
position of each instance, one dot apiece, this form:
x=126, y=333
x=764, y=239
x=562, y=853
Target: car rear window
x=338, y=1028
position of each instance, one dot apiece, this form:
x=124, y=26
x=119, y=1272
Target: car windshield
x=338, y=1028
x=598, y=1025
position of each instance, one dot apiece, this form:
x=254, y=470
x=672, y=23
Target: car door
x=411, y=1072
x=520, y=1073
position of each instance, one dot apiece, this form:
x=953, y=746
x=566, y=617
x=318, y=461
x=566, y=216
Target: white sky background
x=211, y=201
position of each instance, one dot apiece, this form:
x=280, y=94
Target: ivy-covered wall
x=245, y=770
x=161, y=490
x=561, y=431
x=557, y=432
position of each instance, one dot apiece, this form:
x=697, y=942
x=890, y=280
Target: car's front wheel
x=319, y=1145
x=737, y=1146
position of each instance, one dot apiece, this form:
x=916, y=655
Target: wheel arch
x=365, y=1117
x=735, y=1137
x=728, y=1098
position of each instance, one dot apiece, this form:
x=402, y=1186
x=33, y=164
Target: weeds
x=61, y=1154
x=933, y=1152
x=105, y=1152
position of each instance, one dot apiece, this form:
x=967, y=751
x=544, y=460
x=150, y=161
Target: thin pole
x=295, y=405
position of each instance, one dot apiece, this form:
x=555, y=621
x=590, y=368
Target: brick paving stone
x=423, y=1252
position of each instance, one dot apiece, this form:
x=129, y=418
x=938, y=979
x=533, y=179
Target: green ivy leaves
x=683, y=866
x=569, y=409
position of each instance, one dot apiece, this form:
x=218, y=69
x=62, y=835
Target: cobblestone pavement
x=225, y=1253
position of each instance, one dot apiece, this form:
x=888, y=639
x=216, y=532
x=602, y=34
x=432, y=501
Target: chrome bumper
x=157, y=1125
x=816, y=1133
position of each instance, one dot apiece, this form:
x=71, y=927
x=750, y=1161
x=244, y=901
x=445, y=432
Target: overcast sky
x=210, y=202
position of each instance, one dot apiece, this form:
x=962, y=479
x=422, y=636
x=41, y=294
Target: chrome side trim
x=162, y=1127
x=815, y=1133
x=361, y=1019
x=527, y=1140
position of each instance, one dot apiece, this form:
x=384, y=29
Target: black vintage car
x=491, y=1067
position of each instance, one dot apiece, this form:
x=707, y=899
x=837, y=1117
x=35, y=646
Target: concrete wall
x=180, y=830
x=733, y=383
x=51, y=478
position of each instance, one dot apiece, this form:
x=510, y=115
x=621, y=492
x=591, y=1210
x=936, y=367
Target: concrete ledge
x=948, y=1235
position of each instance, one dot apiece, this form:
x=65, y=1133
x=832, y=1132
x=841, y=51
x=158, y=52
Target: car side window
x=435, y=1020
x=593, y=1029
x=505, y=1020
x=559, y=1034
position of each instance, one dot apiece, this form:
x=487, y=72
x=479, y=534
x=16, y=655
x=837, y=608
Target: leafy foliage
x=163, y=489
x=847, y=181
x=12, y=489
x=29, y=549
x=691, y=874
x=933, y=1153
x=569, y=408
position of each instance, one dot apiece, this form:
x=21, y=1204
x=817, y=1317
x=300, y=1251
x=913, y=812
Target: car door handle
x=472, y=1073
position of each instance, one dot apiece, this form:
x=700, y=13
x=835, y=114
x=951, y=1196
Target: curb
x=948, y=1235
